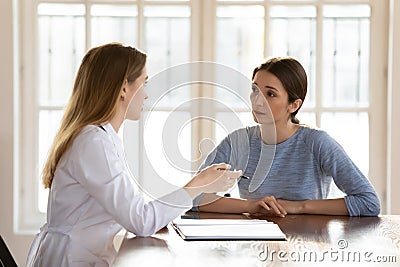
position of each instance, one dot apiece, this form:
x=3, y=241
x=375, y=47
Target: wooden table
x=312, y=240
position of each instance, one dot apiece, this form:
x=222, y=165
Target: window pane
x=293, y=33
x=114, y=24
x=297, y=0
x=162, y=96
x=240, y=0
x=49, y=122
x=239, y=45
x=167, y=42
x=352, y=11
x=170, y=43
x=167, y=151
x=351, y=130
x=166, y=11
x=61, y=44
x=231, y=87
x=307, y=118
x=167, y=0
x=346, y=60
x=240, y=37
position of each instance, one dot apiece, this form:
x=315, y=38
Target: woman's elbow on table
x=144, y=225
x=363, y=205
x=144, y=230
x=373, y=207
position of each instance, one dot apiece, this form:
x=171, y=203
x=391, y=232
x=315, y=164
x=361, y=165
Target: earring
x=122, y=98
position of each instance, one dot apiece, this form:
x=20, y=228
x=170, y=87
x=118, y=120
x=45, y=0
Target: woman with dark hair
x=290, y=167
x=91, y=194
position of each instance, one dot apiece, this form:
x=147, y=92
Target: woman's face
x=136, y=95
x=269, y=99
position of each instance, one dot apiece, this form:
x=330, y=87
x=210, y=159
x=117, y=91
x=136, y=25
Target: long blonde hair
x=94, y=97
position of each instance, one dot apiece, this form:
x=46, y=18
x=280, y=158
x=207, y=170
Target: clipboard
x=227, y=229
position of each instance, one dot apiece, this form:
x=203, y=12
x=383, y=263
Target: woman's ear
x=123, y=90
x=295, y=105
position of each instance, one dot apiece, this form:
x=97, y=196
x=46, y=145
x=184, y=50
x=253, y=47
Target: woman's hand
x=215, y=178
x=267, y=205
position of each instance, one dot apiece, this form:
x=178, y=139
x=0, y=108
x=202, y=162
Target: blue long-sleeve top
x=299, y=168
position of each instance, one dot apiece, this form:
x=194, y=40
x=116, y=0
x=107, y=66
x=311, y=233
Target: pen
x=242, y=176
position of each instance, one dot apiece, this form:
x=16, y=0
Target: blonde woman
x=91, y=195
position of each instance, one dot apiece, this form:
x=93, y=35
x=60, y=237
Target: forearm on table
x=323, y=206
x=214, y=203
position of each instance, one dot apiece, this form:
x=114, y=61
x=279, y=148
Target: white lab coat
x=91, y=199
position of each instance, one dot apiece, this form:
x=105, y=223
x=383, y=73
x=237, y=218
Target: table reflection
x=311, y=239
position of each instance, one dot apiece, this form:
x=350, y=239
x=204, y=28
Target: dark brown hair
x=292, y=76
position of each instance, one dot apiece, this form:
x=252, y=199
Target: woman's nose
x=259, y=100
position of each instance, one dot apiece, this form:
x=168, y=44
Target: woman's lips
x=258, y=113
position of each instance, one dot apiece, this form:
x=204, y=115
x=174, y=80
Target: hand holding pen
x=214, y=178
x=241, y=176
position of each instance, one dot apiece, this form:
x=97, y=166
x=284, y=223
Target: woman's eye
x=254, y=88
x=271, y=94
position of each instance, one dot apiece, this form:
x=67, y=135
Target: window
x=183, y=120
x=61, y=45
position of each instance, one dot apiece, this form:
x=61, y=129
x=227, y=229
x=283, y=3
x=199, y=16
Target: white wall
x=19, y=243
x=394, y=109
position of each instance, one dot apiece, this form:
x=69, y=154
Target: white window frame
x=203, y=31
